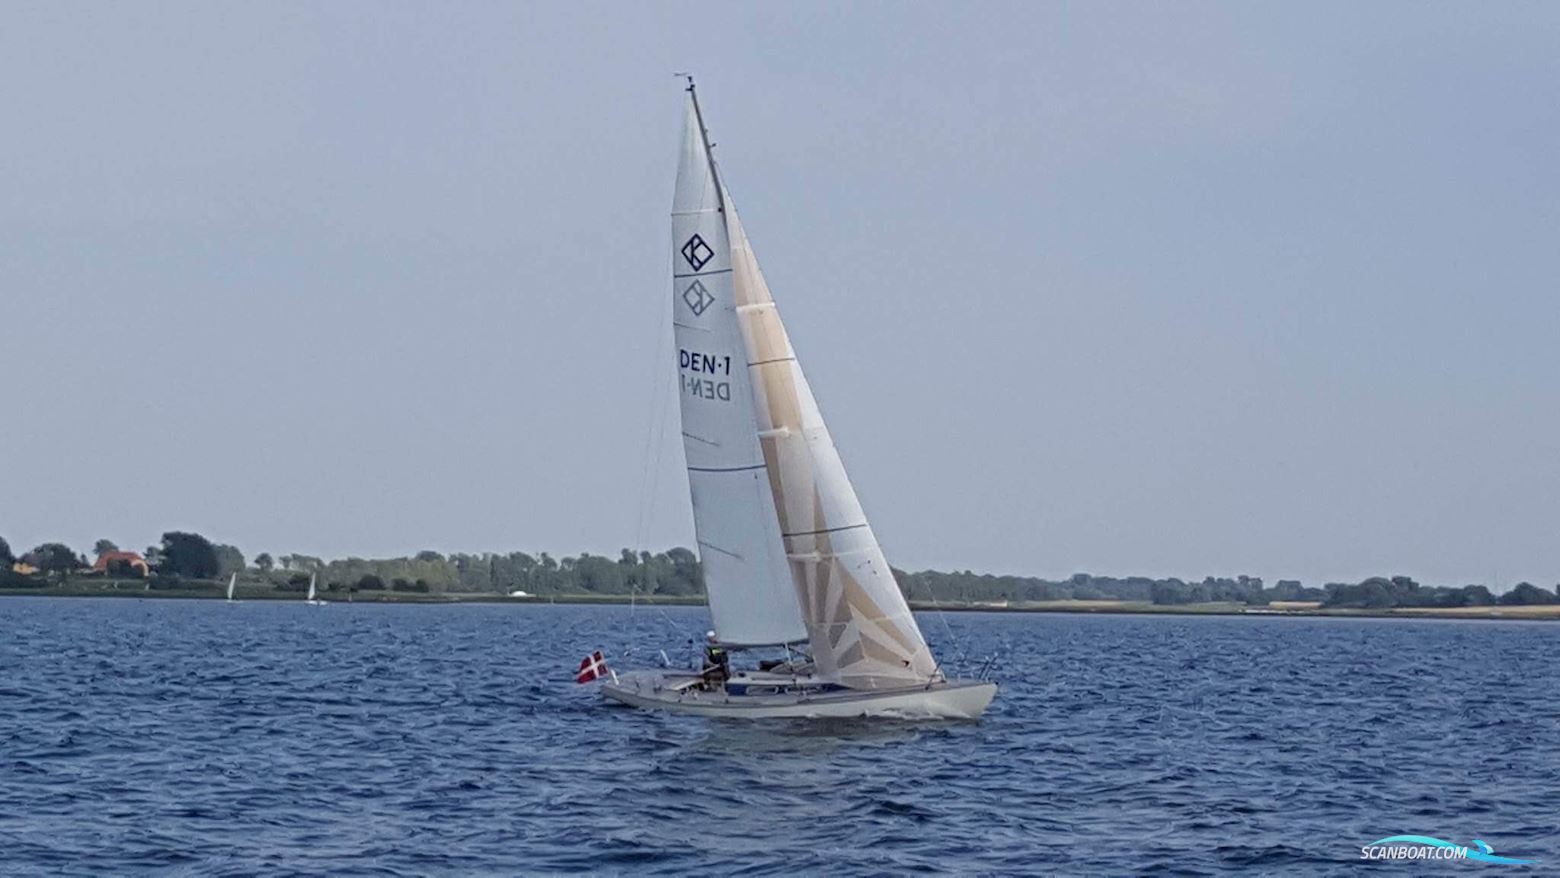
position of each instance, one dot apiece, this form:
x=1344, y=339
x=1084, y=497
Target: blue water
x=199, y=737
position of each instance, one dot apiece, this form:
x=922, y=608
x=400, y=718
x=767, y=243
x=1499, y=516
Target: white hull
x=315, y=603
x=954, y=699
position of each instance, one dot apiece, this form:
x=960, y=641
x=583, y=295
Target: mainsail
x=746, y=576
x=770, y=430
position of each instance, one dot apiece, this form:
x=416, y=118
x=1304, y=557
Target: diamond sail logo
x=697, y=252
x=697, y=298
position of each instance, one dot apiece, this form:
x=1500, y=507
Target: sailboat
x=232, y=585
x=312, y=600
x=790, y=561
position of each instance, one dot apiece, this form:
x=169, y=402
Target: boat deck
x=759, y=695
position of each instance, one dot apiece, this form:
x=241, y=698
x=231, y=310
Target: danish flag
x=592, y=667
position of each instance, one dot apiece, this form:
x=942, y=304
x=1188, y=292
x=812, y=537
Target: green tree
x=229, y=559
x=302, y=562
x=6, y=558
x=264, y=562
x=1528, y=594
x=1287, y=590
x=1469, y=596
x=684, y=576
x=103, y=547
x=1375, y=593
x=599, y=575
x=189, y=554
x=52, y=558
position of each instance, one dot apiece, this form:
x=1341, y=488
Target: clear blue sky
x=1174, y=289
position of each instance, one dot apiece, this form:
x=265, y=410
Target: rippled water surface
x=201, y=737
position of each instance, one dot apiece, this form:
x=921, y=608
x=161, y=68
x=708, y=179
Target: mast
x=709, y=148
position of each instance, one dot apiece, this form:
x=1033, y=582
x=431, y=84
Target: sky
x=1160, y=289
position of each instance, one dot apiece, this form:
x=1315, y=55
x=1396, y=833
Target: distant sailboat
x=311, y=600
x=788, y=555
x=232, y=585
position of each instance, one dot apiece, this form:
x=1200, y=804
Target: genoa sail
x=860, y=628
x=746, y=574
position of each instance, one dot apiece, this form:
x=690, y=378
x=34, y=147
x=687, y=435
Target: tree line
x=182, y=558
x=1373, y=593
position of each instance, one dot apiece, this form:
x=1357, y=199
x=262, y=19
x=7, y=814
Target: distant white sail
x=751, y=598
x=312, y=578
x=860, y=628
x=232, y=583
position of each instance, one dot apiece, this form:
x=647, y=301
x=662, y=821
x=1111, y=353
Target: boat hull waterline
x=951, y=699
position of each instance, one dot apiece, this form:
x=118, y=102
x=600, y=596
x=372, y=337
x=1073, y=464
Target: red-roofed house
x=131, y=559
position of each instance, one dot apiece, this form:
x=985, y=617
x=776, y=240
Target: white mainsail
x=232, y=583
x=768, y=485
x=752, y=600
x=313, y=577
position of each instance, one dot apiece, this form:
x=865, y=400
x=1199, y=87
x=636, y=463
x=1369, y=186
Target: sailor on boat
x=717, y=663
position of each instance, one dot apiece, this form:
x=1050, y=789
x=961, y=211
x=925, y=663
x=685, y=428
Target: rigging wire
x=942, y=617
x=655, y=439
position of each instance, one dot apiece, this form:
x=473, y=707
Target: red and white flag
x=592, y=667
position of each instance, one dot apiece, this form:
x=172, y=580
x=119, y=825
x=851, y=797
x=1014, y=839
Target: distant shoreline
x=1541, y=612
x=387, y=597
